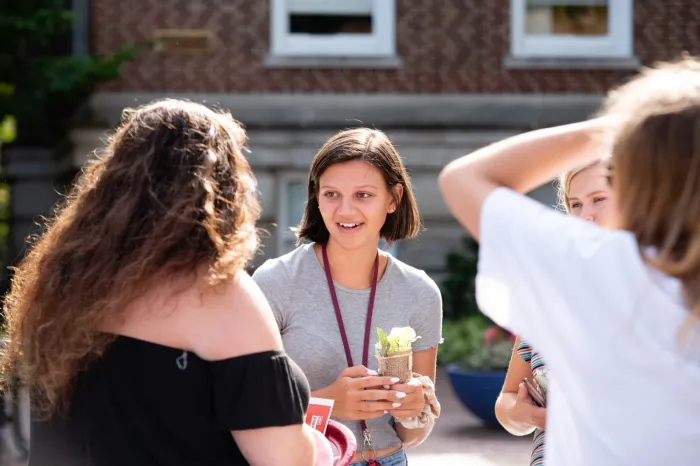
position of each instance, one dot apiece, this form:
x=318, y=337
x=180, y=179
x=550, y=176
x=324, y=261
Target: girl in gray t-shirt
x=359, y=192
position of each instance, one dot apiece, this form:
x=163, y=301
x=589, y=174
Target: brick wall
x=447, y=46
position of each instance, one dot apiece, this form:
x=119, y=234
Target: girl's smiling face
x=354, y=202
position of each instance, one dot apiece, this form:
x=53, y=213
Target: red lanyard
x=341, y=327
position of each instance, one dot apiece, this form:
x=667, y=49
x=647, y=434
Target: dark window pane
x=330, y=24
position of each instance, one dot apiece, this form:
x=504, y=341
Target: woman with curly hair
x=141, y=337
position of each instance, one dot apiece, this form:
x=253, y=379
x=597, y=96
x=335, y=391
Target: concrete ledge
x=273, y=61
x=424, y=150
x=519, y=63
x=468, y=111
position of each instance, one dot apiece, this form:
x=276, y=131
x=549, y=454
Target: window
x=571, y=28
x=333, y=28
x=291, y=209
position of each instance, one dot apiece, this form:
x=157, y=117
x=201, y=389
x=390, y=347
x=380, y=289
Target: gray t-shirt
x=296, y=287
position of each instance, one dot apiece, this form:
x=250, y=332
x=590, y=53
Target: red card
x=319, y=413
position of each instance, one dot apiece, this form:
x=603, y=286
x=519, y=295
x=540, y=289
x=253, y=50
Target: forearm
x=526, y=161
x=412, y=437
x=507, y=415
x=324, y=392
x=295, y=445
x=521, y=163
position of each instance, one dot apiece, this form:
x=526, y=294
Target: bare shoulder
x=232, y=319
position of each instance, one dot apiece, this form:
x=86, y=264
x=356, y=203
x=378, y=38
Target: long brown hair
x=656, y=163
x=373, y=147
x=171, y=192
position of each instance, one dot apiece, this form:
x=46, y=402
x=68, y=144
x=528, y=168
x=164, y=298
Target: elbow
x=504, y=411
x=295, y=445
x=457, y=175
x=306, y=455
x=447, y=183
x=411, y=438
x=501, y=409
x=446, y=176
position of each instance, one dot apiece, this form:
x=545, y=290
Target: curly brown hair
x=171, y=192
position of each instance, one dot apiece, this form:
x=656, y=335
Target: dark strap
x=339, y=316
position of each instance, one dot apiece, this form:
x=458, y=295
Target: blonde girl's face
x=590, y=196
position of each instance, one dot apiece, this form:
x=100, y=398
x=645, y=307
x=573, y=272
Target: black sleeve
x=259, y=390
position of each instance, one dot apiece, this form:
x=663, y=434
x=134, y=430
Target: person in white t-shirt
x=584, y=193
x=615, y=311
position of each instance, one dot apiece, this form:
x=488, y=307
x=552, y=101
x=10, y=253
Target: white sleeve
x=553, y=279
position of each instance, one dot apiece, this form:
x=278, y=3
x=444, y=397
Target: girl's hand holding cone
x=413, y=403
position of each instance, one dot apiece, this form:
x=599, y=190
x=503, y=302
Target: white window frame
x=283, y=220
x=380, y=43
x=617, y=44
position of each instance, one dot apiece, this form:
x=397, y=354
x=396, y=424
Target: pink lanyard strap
x=339, y=317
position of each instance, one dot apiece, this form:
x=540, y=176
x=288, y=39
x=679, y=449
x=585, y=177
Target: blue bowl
x=477, y=391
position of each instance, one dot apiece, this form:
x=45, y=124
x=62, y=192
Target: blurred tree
x=49, y=83
x=458, y=288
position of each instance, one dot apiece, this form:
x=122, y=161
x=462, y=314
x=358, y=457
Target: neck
x=353, y=268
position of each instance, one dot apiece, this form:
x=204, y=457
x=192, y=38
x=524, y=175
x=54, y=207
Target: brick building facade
x=442, y=77
x=444, y=46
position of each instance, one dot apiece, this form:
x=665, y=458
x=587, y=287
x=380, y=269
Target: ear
x=397, y=194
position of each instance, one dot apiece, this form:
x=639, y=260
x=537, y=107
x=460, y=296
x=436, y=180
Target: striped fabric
x=535, y=360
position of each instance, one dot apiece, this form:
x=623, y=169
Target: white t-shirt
x=621, y=390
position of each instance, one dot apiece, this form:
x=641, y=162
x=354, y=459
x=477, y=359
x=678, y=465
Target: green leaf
x=6, y=88
x=383, y=341
x=8, y=129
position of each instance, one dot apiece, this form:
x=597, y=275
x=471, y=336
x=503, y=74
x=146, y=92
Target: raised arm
x=521, y=163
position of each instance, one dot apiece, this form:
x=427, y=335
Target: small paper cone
x=397, y=365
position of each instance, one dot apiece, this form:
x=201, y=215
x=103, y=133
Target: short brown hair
x=171, y=191
x=374, y=148
x=656, y=160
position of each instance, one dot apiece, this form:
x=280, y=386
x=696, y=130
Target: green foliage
x=458, y=289
x=490, y=357
x=466, y=344
x=49, y=87
x=462, y=338
x=8, y=123
x=465, y=329
x=8, y=129
x=4, y=214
